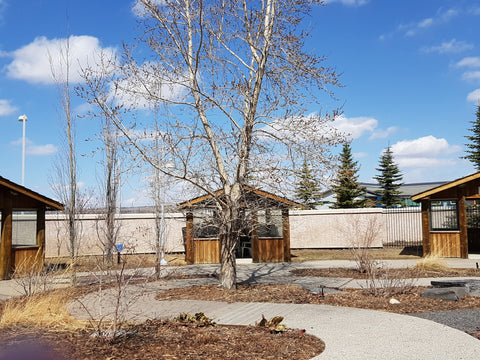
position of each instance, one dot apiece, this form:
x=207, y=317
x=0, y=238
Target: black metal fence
x=403, y=227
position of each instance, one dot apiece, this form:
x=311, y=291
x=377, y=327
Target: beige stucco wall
x=136, y=233
x=336, y=228
x=330, y=228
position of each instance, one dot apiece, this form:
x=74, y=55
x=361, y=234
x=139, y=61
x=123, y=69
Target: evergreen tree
x=389, y=179
x=474, y=145
x=307, y=191
x=346, y=185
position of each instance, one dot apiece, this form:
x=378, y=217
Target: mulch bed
x=410, y=302
x=160, y=340
x=407, y=273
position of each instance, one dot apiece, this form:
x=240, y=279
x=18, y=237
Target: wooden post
x=462, y=222
x=426, y=227
x=40, y=256
x=286, y=235
x=255, y=245
x=6, y=240
x=189, y=246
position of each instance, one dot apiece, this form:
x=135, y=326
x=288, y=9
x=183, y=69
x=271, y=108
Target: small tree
x=389, y=179
x=474, y=145
x=111, y=187
x=346, y=185
x=307, y=190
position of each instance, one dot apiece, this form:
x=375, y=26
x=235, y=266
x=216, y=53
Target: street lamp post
x=23, y=118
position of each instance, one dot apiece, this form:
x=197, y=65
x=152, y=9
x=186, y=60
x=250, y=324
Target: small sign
x=119, y=247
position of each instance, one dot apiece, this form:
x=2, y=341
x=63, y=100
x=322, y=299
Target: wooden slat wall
x=445, y=244
x=271, y=250
x=27, y=259
x=206, y=251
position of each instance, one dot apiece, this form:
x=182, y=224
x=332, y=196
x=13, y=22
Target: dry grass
x=390, y=253
x=43, y=310
x=132, y=261
x=432, y=264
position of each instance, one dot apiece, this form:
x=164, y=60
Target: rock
x=449, y=283
x=394, y=301
x=448, y=294
x=471, y=286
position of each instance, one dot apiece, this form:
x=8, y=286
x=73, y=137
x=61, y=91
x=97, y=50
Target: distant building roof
x=407, y=190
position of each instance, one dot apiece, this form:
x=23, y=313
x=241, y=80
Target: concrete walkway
x=348, y=333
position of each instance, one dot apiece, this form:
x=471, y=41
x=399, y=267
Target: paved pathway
x=348, y=333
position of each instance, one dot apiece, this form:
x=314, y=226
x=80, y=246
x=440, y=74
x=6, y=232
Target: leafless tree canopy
x=239, y=85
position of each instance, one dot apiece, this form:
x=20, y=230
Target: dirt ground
x=87, y=263
x=173, y=340
x=159, y=340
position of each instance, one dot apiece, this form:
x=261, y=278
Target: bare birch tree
x=65, y=183
x=110, y=189
x=241, y=87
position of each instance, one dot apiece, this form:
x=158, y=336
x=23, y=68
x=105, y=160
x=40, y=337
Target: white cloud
x=471, y=75
x=32, y=149
x=47, y=149
x=31, y=62
x=411, y=29
x=356, y=126
x=452, y=46
x=349, y=2
x=383, y=134
x=149, y=84
x=20, y=141
x=425, y=23
x=359, y=155
x=139, y=10
x=6, y=108
x=427, y=151
x=472, y=62
x=474, y=96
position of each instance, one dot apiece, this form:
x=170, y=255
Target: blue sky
x=410, y=70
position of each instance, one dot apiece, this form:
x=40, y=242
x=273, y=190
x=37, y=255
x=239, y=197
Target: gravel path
x=465, y=320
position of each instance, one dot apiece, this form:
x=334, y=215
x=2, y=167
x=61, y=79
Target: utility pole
x=23, y=118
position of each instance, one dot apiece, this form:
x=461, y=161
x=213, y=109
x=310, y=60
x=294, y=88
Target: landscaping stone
x=471, y=286
x=445, y=293
x=470, y=283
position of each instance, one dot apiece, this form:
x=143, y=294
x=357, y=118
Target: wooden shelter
x=266, y=231
x=22, y=242
x=451, y=218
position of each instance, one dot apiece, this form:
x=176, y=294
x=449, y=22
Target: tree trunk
x=228, y=268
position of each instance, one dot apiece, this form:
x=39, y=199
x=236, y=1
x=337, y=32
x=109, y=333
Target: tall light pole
x=23, y=118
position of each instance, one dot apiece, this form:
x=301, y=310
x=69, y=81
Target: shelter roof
x=14, y=190
x=250, y=196
x=449, y=187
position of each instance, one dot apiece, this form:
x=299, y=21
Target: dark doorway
x=473, y=226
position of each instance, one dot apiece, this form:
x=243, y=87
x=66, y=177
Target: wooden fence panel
x=206, y=251
x=27, y=259
x=271, y=250
x=445, y=244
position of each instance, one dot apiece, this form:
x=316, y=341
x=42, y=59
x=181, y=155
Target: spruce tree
x=474, y=145
x=307, y=191
x=346, y=185
x=389, y=179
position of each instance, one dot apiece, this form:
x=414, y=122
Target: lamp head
x=22, y=118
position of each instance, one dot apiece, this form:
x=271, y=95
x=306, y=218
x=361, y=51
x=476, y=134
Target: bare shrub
x=33, y=278
x=380, y=281
x=385, y=282
x=109, y=308
x=362, y=232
